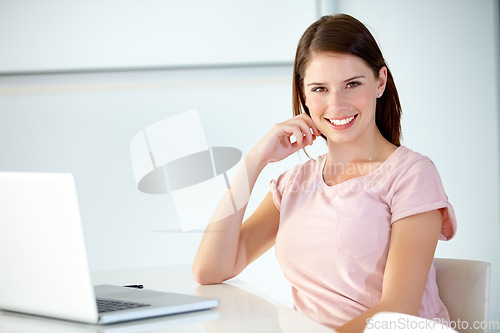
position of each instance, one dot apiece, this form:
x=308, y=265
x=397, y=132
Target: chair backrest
x=464, y=287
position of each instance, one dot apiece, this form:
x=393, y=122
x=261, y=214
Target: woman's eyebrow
x=345, y=81
x=316, y=84
x=354, y=78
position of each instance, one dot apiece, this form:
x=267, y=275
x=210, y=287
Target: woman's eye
x=353, y=84
x=319, y=89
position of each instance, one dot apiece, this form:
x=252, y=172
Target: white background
x=231, y=60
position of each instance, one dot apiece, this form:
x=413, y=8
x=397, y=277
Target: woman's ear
x=382, y=80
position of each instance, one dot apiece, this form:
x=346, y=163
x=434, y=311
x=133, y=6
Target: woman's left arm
x=411, y=252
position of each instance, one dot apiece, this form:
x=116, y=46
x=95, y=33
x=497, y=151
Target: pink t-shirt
x=332, y=242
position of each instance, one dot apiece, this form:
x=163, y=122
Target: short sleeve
x=419, y=190
x=277, y=192
x=279, y=185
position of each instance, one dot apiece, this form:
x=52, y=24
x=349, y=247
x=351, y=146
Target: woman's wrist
x=253, y=163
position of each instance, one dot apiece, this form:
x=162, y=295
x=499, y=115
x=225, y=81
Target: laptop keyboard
x=108, y=305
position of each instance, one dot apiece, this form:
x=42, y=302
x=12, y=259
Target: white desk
x=240, y=309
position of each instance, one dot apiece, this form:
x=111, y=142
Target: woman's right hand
x=228, y=246
x=277, y=143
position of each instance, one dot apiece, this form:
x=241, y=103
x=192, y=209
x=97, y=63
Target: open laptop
x=43, y=260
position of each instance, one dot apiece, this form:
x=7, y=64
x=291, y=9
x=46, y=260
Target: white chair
x=464, y=287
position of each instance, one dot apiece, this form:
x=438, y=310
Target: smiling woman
x=355, y=229
x=348, y=37
x=340, y=93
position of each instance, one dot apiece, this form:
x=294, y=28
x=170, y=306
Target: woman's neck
x=350, y=160
x=377, y=149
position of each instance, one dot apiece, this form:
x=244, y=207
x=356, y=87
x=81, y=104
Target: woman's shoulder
x=410, y=165
x=404, y=163
x=404, y=157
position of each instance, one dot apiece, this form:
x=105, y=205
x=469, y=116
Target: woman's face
x=341, y=92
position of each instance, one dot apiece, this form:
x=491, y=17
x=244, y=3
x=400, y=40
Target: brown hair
x=342, y=33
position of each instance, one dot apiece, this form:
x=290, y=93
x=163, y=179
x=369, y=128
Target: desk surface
x=240, y=309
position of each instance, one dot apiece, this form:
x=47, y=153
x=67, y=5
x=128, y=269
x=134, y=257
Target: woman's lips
x=341, y=123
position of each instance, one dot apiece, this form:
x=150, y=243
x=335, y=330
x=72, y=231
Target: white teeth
x=339, y=122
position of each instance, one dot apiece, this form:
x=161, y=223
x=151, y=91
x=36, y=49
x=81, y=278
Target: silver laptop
x=44, y=267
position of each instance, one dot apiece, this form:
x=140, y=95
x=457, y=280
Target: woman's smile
x=342, y=123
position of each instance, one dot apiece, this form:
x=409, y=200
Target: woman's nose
x=335, y=100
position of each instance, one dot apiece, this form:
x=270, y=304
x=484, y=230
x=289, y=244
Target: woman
x=355, y=229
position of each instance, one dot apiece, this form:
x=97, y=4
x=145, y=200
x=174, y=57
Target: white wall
x=443, y=54
x=83, y=123
x=59, y=35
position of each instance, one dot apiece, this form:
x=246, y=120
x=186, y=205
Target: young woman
x=355, y=229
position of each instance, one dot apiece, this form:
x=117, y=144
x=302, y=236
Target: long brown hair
x=342, y=33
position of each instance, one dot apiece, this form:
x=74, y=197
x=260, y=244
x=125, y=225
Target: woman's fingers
x=301, y=132
x=303, y=128
x=310, y=123
x=278, y=143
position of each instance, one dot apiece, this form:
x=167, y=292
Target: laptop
x=43, y=260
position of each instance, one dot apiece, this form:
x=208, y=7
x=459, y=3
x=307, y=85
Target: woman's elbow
x=401, y=306
x=206, y=276
x=203, y=279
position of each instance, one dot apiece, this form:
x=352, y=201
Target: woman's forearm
x=222, y=253
x=217, y=258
